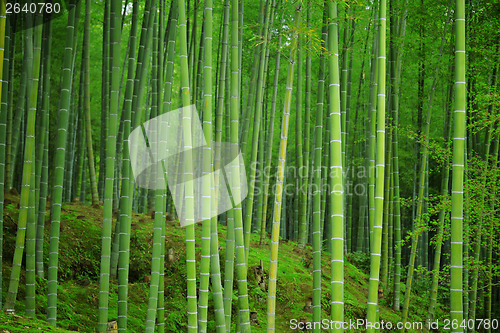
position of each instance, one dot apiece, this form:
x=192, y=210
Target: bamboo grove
x=369, y=137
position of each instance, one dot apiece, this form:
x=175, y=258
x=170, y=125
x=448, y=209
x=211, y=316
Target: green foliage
x=361, y=260
x=78, y=292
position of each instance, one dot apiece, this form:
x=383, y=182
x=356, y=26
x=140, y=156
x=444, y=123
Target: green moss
x=79, y=271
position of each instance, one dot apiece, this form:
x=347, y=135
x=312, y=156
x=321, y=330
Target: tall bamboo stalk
x=372, y=107
x=375, y=243
x=207, y=168
x=256, y=130
x=152, y=315
x=23, y=235
x=41, y=182
x=161, y=48
x=273, y=267
x=459, y=120
x=419, y=224
x=317, y=190
x=86, y=104
x=115, y=37
x=134, y=112
x=336, y=191
x=31, y=225
x=5, y=43
x=301, y=175
x=105, y=77
x=269, y=140
x=241, y=266
x=189, y=202
x=440, y=233
x=398, y=50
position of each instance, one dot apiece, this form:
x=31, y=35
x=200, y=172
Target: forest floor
x=79, y=261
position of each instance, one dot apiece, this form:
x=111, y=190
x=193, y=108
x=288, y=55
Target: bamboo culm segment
x=459, y=120
x=376, y=238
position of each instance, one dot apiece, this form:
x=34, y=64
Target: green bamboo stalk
x=25, y=202
x=240, y=41
x=325, y=230
x=29, y=298
x=170, y=49
x=12, y=149
x=317, y=190
x=466, y=223
x=42, y=205
x=419, y=224
x=105, y=76
x=256, y=130
x=489, y=272
x=115, y=37
x=5, y=46
x=160, y=46
x=207, y=168
x=375, y=243
x=476, y=257
x=391, y=223
x=31, y=224
x=198, y=81
x=360, y=236
x=344, y=60
x=241, y=266
x=134, y=112
x=395, y=157
x=343, y=80
x=384, y=269
x=269, y=140
x=74, y=123
x=86, y=104
x=216, y=276
x=9, y=100
x=441, y=221
x=257, y=225
x=191, y=46
x=372, y=107
x=186, y=123
x=336, y=195
x=79, y=137
x=349, y=177
x=131, y=89
x=152, y=314
x=273, y=268
x=229, y=270
x=41, y=184
x=247, y=103
x=160, y=321
x=308, y=145
x=299, y=156
x=83, y=179
x=257, y=217
x=459, y=120
x=219, y=308
x=221, y=301
x=59, y=167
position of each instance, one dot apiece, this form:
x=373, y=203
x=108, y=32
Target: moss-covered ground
x=79, y=258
